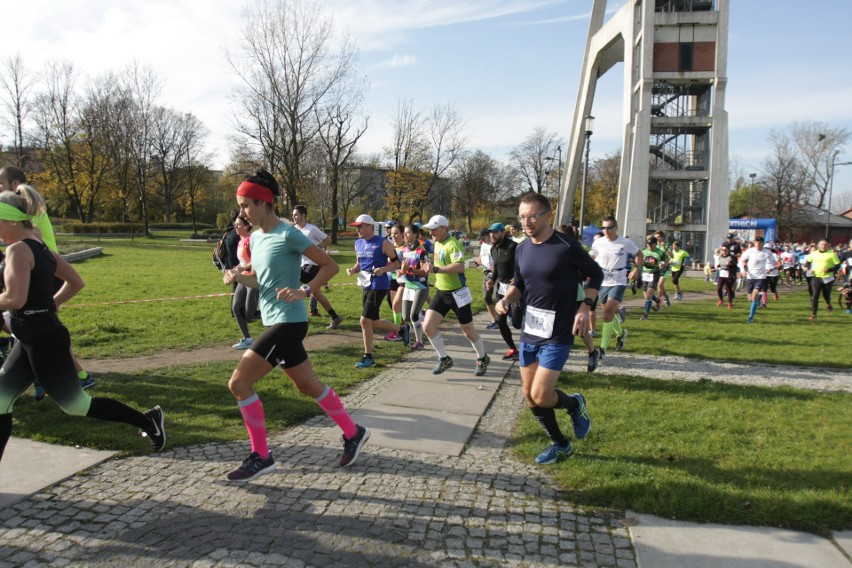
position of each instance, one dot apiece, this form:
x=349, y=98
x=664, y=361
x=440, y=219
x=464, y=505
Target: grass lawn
x=692, y=451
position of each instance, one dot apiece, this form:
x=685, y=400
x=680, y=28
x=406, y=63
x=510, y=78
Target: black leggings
x=503, y=322
x=772, y=281
x=728, y=285
x=243, y=306
x=820, y=287
x=48, y=358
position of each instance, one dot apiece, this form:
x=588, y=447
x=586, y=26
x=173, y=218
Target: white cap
x=362, y=219
x=437, y=221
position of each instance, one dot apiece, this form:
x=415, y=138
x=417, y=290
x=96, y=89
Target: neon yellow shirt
x=822, y=262
x=449, y=252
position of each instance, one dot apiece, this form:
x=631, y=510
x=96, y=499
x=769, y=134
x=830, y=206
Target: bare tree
x=445, y=132
x=16, y=84
x=816, y=143
x=785, y=185
x=409, y=148
x=339, y=138
x=474, y=184
x=289, y=60
x=531, y=157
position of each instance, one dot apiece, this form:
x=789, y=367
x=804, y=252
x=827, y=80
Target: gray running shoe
x=443, y=364
x=594, y=357
x=619, y=342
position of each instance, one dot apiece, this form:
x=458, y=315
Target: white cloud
x=396, y=61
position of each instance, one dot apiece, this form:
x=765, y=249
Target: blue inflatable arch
x=770, y=226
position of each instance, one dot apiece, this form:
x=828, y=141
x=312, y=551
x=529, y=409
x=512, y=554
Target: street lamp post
x=751, y=197
x=831, y=188
x=590, y=125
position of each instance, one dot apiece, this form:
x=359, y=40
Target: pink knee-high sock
x=252, y=411
x=333, y=406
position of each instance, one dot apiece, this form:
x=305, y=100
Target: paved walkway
x=416, y=497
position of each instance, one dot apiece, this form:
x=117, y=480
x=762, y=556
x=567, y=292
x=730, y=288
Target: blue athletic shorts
x=550, y=356
x=611, y=292
x=759, y=285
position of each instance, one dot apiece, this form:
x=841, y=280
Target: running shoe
x=417, y=346
x=811, y=318
x=444, y=363
x=393, y=336
x=776, y=297
x=511, y=355
x=157, y=434
x=335, y=322
x=39, y=391
x=750, y=320
x=668, y=302
x=253, y=466
x=87, y=382
x=633, y=287
x=244, y=343
x=366, y=361
x=482, y=365
x=580, y=417
x=656, y=306
x=602, y=353
x=352, y=446
x=730, y=306
x=644, y=317
x=829, y=308
x=719, y=303
x=678, y=296
x=493, y=325
x=406, y=334
x=622, y=314
x=849, y=310
x=315, y=314
x=554, y=453
x=619, y=341
x=594, y=357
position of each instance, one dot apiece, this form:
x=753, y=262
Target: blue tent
x=589, y=234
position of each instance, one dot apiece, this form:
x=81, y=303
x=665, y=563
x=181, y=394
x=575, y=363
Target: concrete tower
x=674, y=165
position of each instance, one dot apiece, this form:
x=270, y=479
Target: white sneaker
x=244, y=343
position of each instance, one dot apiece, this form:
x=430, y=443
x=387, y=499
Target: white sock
x=479, y=347
x=438, y=343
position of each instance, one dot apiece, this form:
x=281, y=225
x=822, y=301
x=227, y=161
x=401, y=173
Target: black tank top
x=38, y=314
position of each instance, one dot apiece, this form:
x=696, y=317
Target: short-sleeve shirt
x=823, y=262
x=613, y=257
x=449, y=252
x=548, y=273
x=678, y=258
x=315, y=235
x=755, y=262
x=276, y=259
x=653, y=260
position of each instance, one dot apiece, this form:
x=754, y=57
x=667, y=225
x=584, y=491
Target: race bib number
x=609, y=275
x=364, y=278
x=647, y=277
x=502, y=288
x=409, y=295
x=724, y=274
x=828, y=279
x=463, y=297
x=539, y=322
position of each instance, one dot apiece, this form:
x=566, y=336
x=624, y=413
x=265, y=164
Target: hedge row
x=90, y=228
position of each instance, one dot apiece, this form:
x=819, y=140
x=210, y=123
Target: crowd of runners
x=542, y=288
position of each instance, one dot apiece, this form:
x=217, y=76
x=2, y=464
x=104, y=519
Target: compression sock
x=754, y=305
x=607, y=334
x=109, y=410
x=255, y=420
x=547, y=419
x=616, y=327
x=647, y=307
x=438, y=343
x=569, y=403
x=418, y=331
x=332, y=313
x=397, y=318
x=5, y=431
x=479, y=347
x=333, y=406
x=314, y=306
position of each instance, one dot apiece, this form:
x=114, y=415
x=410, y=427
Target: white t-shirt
x=787, y=259
x=612, y=256
x=756, y=262
x=772, y=265
x=315, y=235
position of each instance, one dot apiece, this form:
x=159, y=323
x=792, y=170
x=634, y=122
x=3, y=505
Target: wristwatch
x=435, y=269
x=589, y=302
x=306, y=289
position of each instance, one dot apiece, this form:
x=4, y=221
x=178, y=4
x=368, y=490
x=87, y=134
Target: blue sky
x=508, y=66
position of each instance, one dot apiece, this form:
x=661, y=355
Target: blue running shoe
x=554, y=453
x=443, y=364
x=365, y=362
x=492, y=325
x=406, y=334
x=39, y=391
x=87, y=382
x=580, y=417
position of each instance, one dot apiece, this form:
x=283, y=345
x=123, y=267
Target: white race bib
x=647, y=277
x=364, y=278
x=828, y=279
x=539, y=322
x=724, y=274
x=463, y=297
x=409, y=294
x=502, y=288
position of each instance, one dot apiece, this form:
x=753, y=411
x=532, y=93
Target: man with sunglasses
x=612, y=253
x=548, y=268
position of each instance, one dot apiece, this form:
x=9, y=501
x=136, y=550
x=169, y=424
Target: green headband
x=12, y=213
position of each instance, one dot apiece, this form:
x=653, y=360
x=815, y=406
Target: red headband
x=255, y=191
